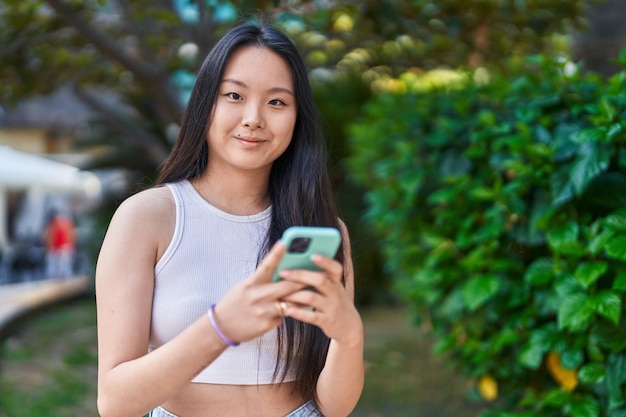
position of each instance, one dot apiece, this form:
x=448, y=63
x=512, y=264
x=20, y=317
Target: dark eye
x=277, y=102
x=233, y=96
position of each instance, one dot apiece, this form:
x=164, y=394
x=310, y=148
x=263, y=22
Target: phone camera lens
x=299, y=245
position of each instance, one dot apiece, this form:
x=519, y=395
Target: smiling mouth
x=249, y=141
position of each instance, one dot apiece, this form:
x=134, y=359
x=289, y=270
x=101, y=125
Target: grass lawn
x=48, y=368
x=48, y=365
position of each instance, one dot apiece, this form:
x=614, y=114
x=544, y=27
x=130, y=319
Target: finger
x=281, y=308
x=306, y=278
x=304, y=314
x=277, y=290
x=331, y=266
x=266, y=268
x=305, y=299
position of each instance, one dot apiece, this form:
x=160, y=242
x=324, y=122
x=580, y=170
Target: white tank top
x=210, y=252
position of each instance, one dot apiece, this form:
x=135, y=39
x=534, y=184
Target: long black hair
x=299, y=186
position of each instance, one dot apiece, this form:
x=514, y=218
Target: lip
x=249, y=140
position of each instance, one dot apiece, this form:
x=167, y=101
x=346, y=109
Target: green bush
x=501, y=210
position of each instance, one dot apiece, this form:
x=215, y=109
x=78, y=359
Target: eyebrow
x=271, y=90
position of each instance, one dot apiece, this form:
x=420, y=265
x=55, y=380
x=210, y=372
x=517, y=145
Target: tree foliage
x=146, y=52
x=132, y=63
x=500, y=207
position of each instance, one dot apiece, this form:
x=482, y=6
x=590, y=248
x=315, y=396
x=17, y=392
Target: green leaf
x=572, y=179
x=607, y=109
x=586, y=407
x=616, y=220
x=592, y=373
x=482, y=193
x=533, y=351
x=561, y=187
x=589, y=135
x=561, y=237
x=588, y=272
x=620, y=281
x=480, y=289
x=598, y=242
x=539, y=272
x=531, y=356
x=614, y=130
x=593, y=159
x=616, y=247
x=542, y=135
x=608, y=336
x=615, y=377
x=566, y=285
x=572, y=358
x=442, y=196
x=556, y=397
x=532, y=233
x=573, y=312
x=608, y=304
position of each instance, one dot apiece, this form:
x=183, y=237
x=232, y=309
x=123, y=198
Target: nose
x=252, y=117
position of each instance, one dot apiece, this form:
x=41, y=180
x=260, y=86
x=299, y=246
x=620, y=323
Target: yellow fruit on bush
x=488, y=388
x=567, y=378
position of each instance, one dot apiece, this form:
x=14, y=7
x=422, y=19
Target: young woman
x=190, y=323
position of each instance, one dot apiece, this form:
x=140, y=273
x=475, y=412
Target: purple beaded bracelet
x=211, y=314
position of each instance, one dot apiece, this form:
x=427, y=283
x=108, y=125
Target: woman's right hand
x=250, y=308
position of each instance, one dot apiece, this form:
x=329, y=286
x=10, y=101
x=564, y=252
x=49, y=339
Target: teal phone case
x=321, y=240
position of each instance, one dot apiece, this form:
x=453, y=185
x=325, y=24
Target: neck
x=235, y=193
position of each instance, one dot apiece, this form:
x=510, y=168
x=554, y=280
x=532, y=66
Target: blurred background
x=478, y=153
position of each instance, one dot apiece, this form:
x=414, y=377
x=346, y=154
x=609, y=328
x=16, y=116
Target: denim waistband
x=307, y=409
x=161, y=412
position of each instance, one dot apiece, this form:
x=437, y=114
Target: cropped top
x=210, y=252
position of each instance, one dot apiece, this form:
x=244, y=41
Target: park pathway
x=19, y=299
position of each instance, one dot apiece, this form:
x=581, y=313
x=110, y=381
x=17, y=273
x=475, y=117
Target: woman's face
x=255, y=112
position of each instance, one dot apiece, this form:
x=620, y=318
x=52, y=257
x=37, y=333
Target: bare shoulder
x=148, y=205
x=148, y=216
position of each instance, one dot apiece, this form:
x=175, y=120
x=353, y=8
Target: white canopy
x=19, y=170
x=23, y=170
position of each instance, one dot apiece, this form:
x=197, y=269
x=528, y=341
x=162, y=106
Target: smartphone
x=304, y=241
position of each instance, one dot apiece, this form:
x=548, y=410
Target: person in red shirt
x=60, y=247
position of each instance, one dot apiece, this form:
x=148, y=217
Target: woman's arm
x=341, y=381
x=132, y=381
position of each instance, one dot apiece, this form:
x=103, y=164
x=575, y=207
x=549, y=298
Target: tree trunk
x=600, y=45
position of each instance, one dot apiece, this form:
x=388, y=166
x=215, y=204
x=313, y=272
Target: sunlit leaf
x=588, y=272
x=539, y=272
x=616, y=220
x=480, y=289
x=572, y=179
x=573, y=312
x=608, y=304
x=598, y=243
x=620, y=281
x=534, y=350
x=616, y=247
x=592, y=373
x=562, y=237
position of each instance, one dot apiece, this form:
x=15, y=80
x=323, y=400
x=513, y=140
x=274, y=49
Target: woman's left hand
x=330, y=306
